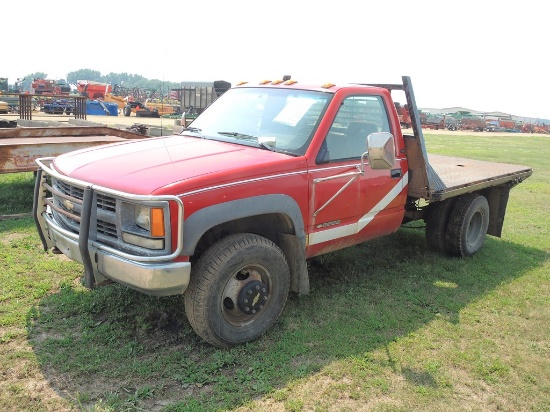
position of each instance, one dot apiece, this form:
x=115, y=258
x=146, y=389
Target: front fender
x=204, y=219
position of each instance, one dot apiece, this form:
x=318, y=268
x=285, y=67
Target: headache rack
x=446, y=177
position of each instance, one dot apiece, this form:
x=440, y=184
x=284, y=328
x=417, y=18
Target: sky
x=482, y=55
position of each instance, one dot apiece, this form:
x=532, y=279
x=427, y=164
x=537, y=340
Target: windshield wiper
x=239, y=135
x=243, y=136
x=191, y=129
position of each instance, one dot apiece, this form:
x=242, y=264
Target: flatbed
x=459, y=175
x=21, y=146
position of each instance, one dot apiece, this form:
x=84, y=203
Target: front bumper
x=157, y=278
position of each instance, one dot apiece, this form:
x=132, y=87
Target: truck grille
x=114, y=217
x=68, y=199
x=71, y=191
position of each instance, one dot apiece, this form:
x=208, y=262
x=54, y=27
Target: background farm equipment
x=195, y=98
x=100, y=108
x=493, y=126
x=403, y=114
x=50, y=87
x=471, y=122
x=4, y=107
x=438, y=122
x=58, y=106
x=153, y=103
x=141, y=102
x=42, y=88
x=164, y=107
x=93, y=90
x=545, y=129
x=199, y=97
x=12, y=101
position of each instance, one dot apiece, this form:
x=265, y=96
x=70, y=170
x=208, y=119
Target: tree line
x=126, y=80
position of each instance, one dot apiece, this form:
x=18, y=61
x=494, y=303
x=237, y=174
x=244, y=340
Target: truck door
x=349, y=206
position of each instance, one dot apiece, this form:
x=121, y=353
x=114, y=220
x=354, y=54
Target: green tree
x=84, y=74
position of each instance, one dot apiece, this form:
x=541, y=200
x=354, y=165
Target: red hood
x=183, y=163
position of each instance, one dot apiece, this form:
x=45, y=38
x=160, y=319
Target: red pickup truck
x=229, y=211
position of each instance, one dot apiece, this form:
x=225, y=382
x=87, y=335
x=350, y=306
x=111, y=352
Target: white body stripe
x=354, y=228
x=261, y=179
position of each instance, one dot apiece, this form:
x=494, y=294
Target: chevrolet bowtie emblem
x=68, y=204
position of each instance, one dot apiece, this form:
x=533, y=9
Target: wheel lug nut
x=253, y=310
x=247, y=309
x=257, y=287
x=249, y=292
x=246, y=301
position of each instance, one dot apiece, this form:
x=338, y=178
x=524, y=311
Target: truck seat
x=353, y=143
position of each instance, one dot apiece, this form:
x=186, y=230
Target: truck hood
x=151, y=166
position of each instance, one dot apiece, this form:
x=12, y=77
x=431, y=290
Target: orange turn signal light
x=157, y=221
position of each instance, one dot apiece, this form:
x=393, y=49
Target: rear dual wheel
x=238, y=289
x=460, y=227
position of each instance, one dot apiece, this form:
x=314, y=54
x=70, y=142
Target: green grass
x=388, y=326
x=15, y=189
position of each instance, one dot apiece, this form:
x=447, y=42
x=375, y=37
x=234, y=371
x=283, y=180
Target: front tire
x=467, y=225
x=238, y=289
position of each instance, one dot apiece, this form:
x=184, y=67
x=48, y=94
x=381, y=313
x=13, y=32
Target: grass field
x=388, y=326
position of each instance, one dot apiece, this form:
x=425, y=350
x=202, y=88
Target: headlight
x=151, y=224
x=150, y=219
x=143, y=217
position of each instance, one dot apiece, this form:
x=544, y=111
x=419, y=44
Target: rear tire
x=467, y=225
x=238, y=289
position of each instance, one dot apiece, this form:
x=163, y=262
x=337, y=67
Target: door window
x=357, y=117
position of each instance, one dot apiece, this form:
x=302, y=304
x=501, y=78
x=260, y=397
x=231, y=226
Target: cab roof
x=294, y=84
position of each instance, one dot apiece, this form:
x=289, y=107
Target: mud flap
x=295, y=255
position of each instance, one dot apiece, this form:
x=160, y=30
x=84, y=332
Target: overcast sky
x=483, y=55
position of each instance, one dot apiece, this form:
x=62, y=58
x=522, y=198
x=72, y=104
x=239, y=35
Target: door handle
x=395, y=173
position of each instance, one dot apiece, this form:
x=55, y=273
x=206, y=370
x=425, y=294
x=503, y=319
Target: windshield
x=281, y=120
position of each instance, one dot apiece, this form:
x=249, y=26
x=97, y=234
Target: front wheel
x=238, y=289
x=467, y=225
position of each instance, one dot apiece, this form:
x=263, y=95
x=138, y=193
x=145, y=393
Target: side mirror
x=381, y=150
